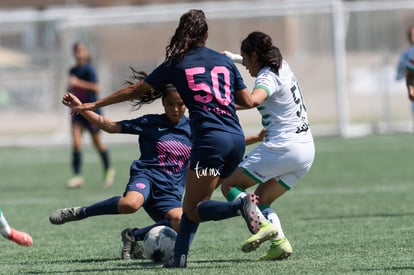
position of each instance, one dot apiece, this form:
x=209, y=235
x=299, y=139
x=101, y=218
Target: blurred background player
x=409, y=73
x=19, y=237
x=286, y=155
x=83, y=83
x=403, y=63
x=157, y=178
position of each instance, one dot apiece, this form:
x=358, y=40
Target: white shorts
x=286, y=164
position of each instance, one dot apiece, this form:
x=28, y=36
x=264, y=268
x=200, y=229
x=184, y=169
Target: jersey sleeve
x=159, y=76
x=133, y=126
x=267, y=82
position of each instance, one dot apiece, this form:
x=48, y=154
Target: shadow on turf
x=123, y=265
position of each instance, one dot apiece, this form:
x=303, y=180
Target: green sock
x=263, y=207
x=235, y=193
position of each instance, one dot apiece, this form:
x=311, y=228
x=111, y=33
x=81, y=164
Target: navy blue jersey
x=85, y=72
x=165, y=149
x=206, y=81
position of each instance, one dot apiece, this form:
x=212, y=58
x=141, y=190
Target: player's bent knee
x=128, y=207
x=175, y=223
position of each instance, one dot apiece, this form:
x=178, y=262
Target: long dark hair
x=190, y=32
x=267, y=53
x=149, y=96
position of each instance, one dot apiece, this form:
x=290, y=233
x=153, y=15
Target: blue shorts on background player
x=157, y=178
x=209, y=84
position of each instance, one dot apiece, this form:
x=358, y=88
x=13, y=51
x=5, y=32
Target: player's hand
x=262, y=135
x=236, y=58
x=71, y=100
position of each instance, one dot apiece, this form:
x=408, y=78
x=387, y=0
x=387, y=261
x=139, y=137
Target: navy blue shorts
x=216, y=153
x=79, y=119
x=157, y=201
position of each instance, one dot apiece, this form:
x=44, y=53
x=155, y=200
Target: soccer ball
x=159, y=244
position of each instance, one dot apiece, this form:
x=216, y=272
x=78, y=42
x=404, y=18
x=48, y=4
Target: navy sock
x=185, y=236
x=139, y=233
x=218, y=210
x=76, y=162
x=105, y=207
x=105, y=159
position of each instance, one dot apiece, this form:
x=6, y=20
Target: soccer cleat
x=177, y=262
x=249, y=208
x=279, y=250
x=19, y=237
x=131, y=249
x=109, y=177
x=76, y=181
x=63, y=215
x=267, y=231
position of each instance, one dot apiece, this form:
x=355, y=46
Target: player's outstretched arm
x=236, y=58
x=124, y=94
x=103, y=123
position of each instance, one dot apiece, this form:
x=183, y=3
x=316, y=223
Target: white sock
x=274, y=219
x=240, y=196
x=4, y=226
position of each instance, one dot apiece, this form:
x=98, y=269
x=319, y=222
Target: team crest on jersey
x=140, y=185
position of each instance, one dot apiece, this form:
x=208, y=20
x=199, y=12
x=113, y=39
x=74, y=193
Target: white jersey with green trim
x=283, y=112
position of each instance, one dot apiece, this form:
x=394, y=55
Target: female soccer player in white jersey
x=287, y=153
x=19, y=237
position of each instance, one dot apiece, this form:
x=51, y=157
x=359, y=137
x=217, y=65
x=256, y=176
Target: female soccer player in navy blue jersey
x=210, y=85
x=83, y=83
x=157, y=178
